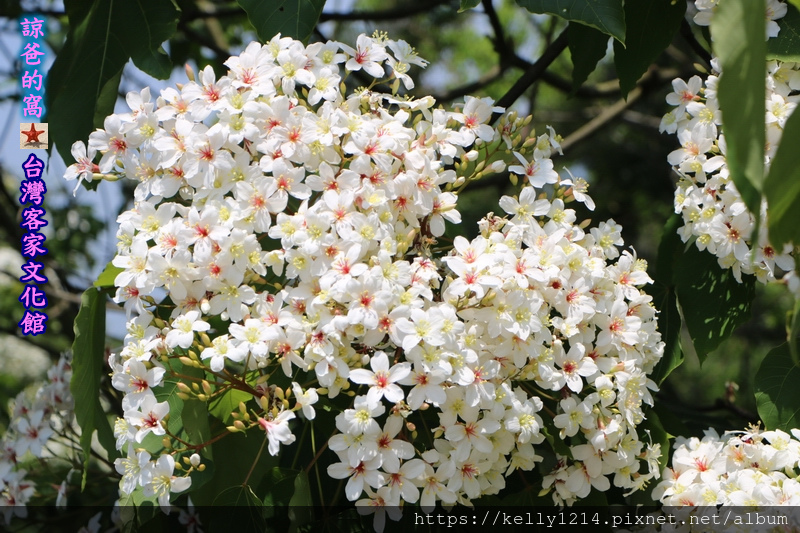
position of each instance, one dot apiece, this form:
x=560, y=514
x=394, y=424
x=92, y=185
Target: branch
x=502, y=45
x=203, y=40
x=534, y=73
x=606, y=116
x=487, y=79
x=608, y=89
x=651, y=81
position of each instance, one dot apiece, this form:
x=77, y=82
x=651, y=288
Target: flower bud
x=498, y=166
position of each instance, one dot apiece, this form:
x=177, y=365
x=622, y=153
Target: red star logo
x=32, y=134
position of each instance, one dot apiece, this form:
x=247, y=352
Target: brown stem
x=534, y=73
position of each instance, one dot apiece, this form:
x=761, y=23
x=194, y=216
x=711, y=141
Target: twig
x=203, y=40
x=487, y=79
x=534, y=73
x=502, y=45
x=606, y=116
x=253, y=466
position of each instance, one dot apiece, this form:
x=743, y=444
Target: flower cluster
x=741, y=468
x=712, y=208
x=34, y=422
x=298, y=234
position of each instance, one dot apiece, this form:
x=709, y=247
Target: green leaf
x=280, y=487
x=786, y=46
x=782, y=187
x=77, y=10
x=107, y=276
x=587, y=46
x=663, y=291
x=650, y=26
x=777, y=393
x=301, y=497
x=136, y=509
x=226, y=403
x=87, y=371
x=101, y=39
x=551, y=432
x=248, y=517
x=195, y=421
x=236, y=458
x=468, y=4
x=290, y=18
x=104, y=107
x=604, y=15
x=713, y=303
x=738, y=38
x=302, y=491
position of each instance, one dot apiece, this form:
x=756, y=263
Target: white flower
x=277, y=430
x=158, y=480
x=382, y=380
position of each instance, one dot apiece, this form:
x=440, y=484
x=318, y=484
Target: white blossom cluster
x=297, y=232
x=712, y=208
x=741, y=468
x=34, y=422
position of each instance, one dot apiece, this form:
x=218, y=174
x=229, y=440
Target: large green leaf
x=786, y=46
x=468, y=4
x=650, y=26
x=713, y=303
x=738, y=33
x=777, y=393
x=604, y=15
x=782, y=187
x=228, y=402
x=301, y=501
x=290, y=18
x=237, y=457
x=587, y=46
x=279, y=488
x=106, y=278
x=663, y=291
x=136, y=510
x=237, y=505
x=103, y=36
x=88, y=355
